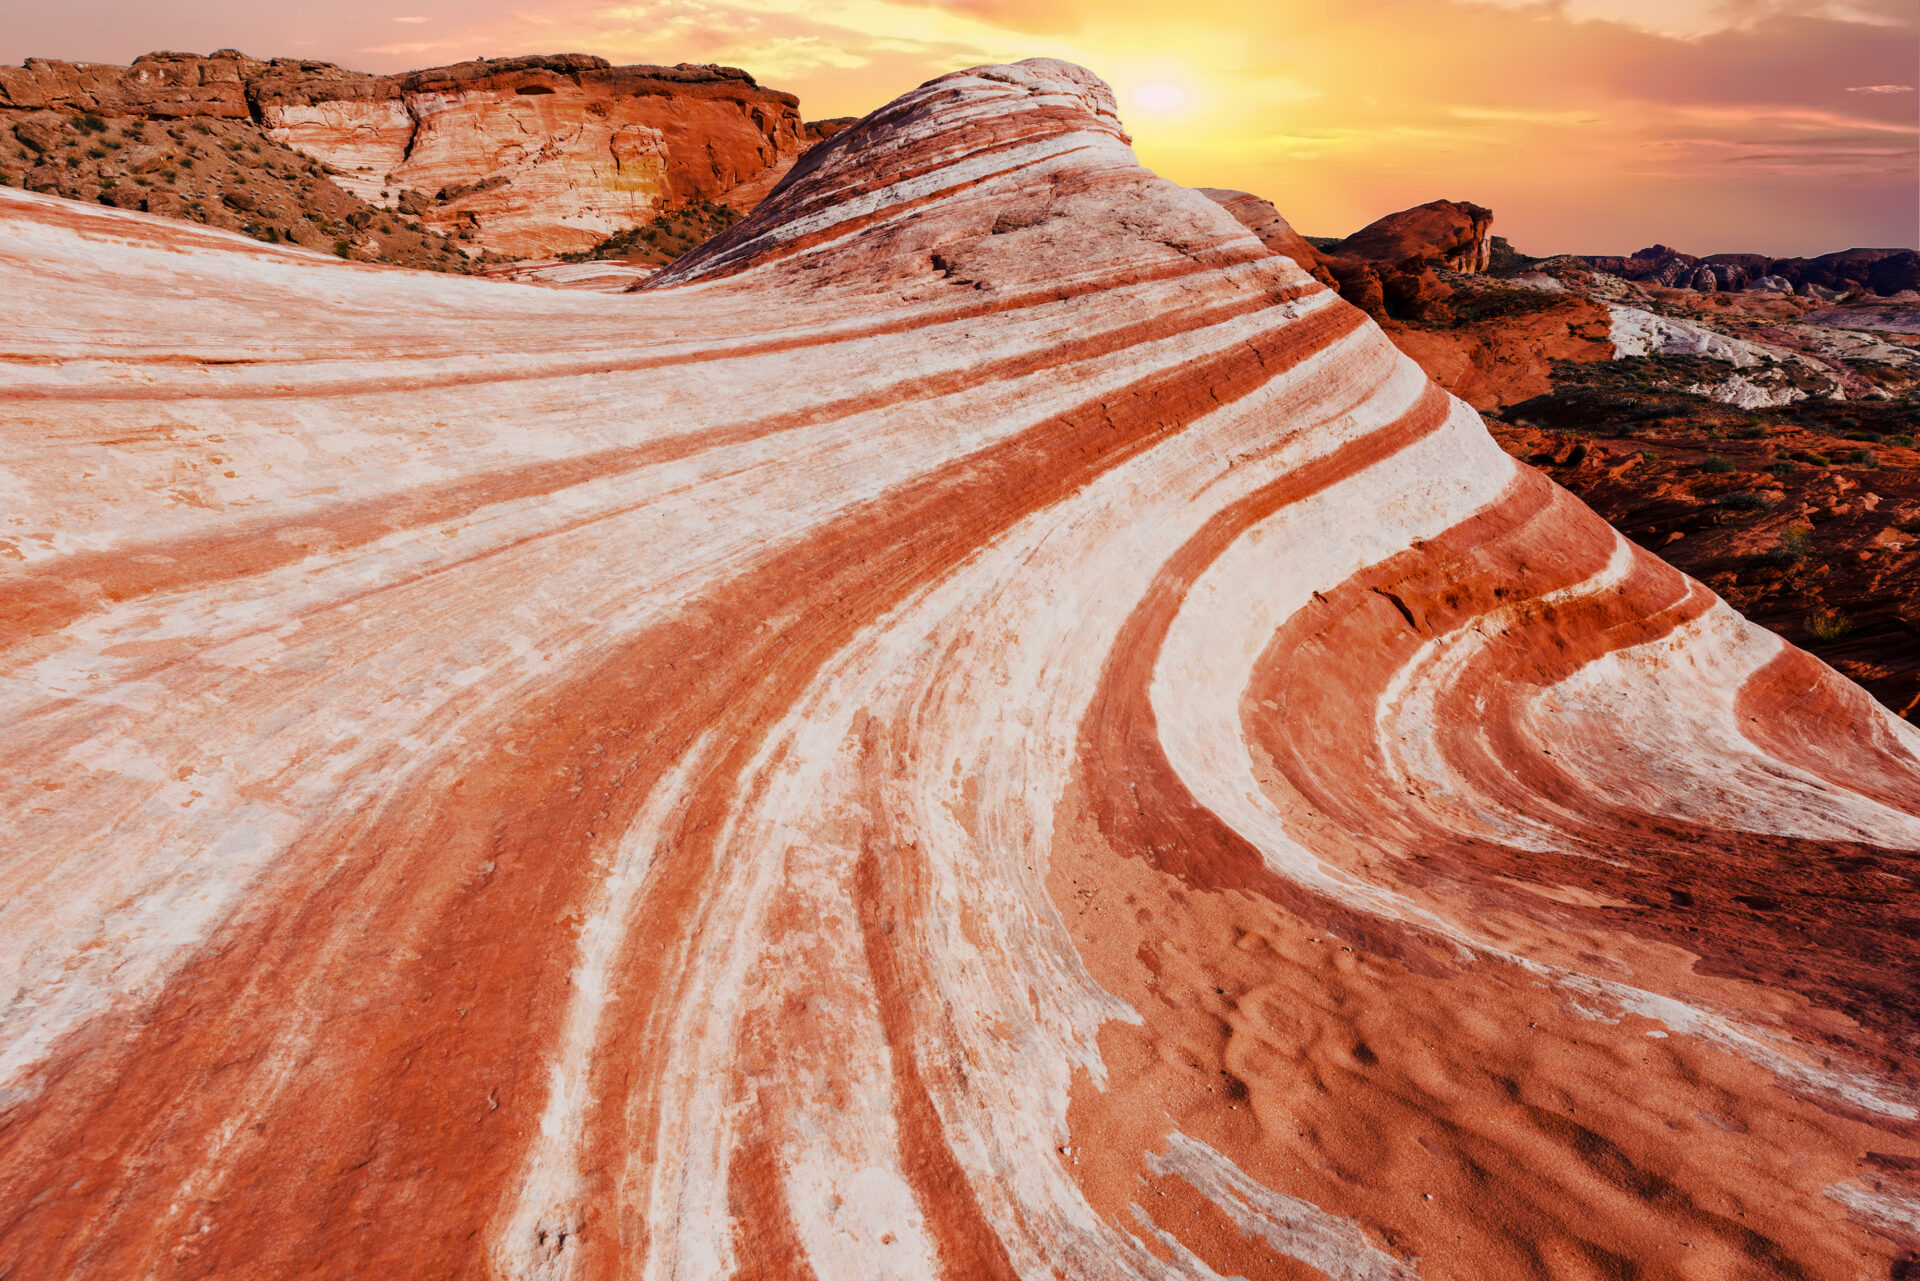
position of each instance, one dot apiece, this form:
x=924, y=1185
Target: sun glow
x=1159, y=97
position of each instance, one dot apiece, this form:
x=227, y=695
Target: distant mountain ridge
x=1881, y=271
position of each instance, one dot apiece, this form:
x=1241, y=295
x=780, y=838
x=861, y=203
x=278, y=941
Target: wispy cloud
x=1880, y=89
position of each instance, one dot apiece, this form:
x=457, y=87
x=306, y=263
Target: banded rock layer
x=983, y=724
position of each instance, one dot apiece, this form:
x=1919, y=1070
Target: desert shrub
x=89, y=122
x=1715, y=463
x=1828, y=624
x=1793, y=546
x=1780, y=469
x=1753, y=431
x=1864, y=435
x=1744, y=500
x=1859, y=456
x=1817, y=460
x=98, y=153
x=341, y=248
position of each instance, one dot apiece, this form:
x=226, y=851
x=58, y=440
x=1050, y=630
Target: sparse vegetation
x=1794, y=546
x=665, y=239
x=1716, y=464
x=1828, y=624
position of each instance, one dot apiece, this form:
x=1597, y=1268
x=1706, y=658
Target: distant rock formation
x=525, y=156
x=1877, y=271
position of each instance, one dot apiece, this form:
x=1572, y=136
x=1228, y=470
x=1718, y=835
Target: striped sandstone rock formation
x=981, y=725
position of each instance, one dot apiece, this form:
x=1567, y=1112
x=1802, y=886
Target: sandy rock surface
x=983, y=724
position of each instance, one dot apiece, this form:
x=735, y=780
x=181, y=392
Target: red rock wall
x=982, y=725
x=540, y=160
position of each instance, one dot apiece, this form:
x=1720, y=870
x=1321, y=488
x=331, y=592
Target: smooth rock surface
x=983, y=724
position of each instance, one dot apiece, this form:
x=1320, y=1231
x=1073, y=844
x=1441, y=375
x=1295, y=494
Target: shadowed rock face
x=982, y=725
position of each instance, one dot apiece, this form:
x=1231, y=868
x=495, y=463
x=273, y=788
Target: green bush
x=1744, y=500
x=1903, y=440
x=341, y=248
x=1859, y=456
x=1715, y=463
x=1780, y=469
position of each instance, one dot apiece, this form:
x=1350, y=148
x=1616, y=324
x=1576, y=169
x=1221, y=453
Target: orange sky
x=1594, y=126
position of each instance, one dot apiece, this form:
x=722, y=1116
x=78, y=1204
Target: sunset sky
x=1591, y=126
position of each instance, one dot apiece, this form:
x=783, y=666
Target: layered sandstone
x=983, y=724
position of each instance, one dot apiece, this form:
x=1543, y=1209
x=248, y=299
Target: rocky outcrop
x=158, y=86
x=984, y=724
x=525, y=156
x=1441, y=233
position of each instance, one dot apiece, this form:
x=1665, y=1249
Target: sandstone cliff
x=1007, y=733
x=525, y=156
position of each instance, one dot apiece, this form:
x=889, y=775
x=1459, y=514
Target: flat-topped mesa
x=531, y=155
x=988, y=727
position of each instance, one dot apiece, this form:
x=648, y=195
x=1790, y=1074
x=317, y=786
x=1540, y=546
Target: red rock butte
x=983, y=724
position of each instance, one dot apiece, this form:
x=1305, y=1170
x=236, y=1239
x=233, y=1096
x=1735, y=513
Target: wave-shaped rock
x=983, y=724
